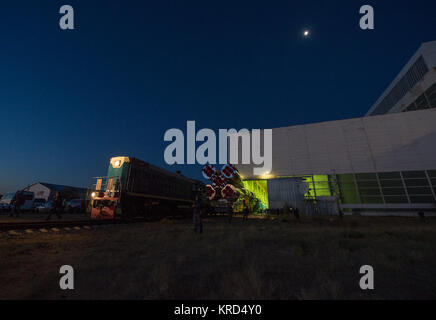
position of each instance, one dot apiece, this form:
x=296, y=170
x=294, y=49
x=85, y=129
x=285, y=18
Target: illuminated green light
x=260, y=190
x=318, y=186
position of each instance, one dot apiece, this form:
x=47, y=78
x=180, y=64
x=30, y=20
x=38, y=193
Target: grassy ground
x=317, y=258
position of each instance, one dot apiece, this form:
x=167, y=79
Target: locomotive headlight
x=93, y=194
x=117, y=163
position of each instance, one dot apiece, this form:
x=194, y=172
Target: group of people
x=293, y=211
x=19, y=200
x=197, y=210
x=58, y=206
x=245, y=212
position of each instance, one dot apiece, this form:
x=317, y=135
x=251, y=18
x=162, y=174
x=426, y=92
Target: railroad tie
x=13, y=232
x=55, y=229
x=43, y=230
x=30, y=231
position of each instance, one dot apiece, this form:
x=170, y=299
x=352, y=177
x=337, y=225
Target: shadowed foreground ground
x=260, y=259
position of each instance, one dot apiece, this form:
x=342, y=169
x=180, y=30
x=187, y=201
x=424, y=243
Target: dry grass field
x=316, y=258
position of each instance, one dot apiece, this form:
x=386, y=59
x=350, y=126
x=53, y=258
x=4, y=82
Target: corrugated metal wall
x=286, y=191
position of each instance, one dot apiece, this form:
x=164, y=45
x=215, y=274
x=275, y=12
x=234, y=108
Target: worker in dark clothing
x=296, y=213
x=229, y=211
x=421, y=215
x=198, y=223
x=14, y=208
x=57, y=206
x=245, y=212
x=17, y=203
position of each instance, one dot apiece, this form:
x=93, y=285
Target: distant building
x=414, y=88
x=46, y=191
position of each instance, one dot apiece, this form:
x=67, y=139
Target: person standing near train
x=198, y=223
x=229, y=211
x=57, y=206
x=17, y=202
x=245, y=211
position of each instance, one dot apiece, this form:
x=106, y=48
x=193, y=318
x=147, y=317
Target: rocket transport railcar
x=137, y=189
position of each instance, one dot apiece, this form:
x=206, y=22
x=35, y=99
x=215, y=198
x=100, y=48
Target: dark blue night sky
x=130, y=70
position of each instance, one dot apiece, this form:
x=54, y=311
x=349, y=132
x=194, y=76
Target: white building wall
x=40, y=191
x=403, y=141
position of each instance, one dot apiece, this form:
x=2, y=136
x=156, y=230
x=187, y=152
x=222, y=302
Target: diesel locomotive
x=136, y=189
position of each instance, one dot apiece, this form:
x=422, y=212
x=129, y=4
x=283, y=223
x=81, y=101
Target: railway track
x=8, y=226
